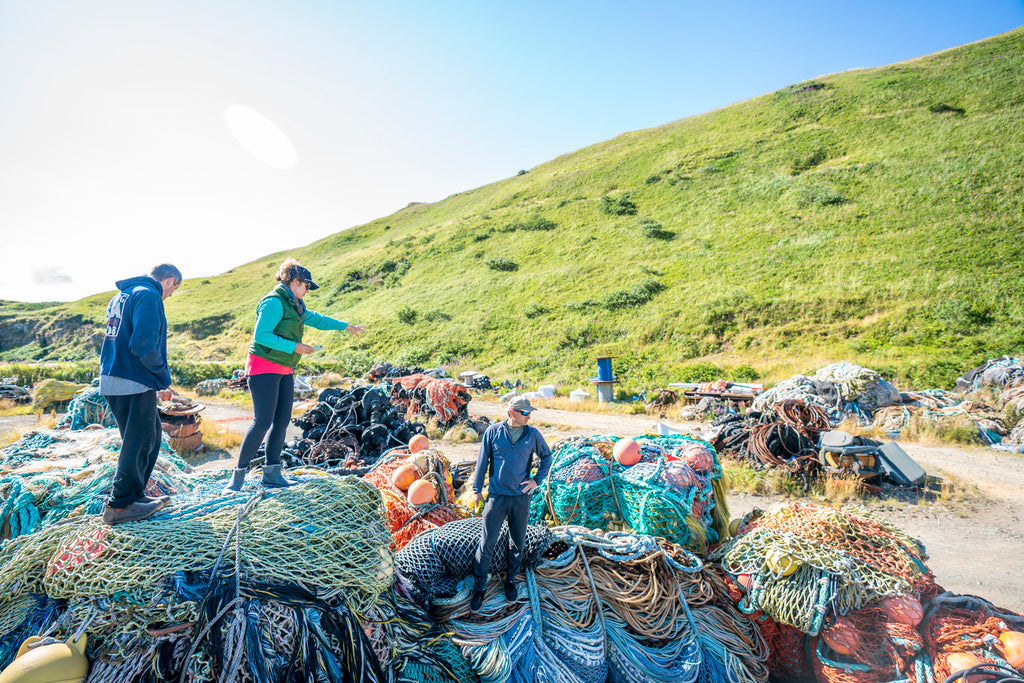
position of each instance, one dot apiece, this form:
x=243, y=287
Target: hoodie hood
x=144, y=280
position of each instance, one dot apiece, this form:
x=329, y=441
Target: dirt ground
x=975, y=546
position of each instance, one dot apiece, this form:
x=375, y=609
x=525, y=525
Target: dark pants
x=271, y=409
x=515, y=509
x=139, y=423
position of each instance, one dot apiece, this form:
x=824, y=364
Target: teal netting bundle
x=88, y=408
x=671, y=492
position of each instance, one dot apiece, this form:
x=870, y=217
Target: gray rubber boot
x=272, y=477
x=237, y=481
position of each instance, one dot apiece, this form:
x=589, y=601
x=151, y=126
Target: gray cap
x=521, y=403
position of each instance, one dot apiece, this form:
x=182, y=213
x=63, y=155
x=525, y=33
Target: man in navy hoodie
x=506, y=453
x=133, y=367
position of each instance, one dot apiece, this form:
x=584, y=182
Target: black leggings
x=272, y=409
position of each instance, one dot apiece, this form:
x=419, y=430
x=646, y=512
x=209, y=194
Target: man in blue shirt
x=506, y=454
x=133, y=368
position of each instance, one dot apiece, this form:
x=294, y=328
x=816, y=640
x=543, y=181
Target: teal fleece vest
x=290, y=327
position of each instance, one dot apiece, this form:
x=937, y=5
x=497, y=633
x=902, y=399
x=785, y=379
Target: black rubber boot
x=477, y=601
x=237, y=481
x=272, y=477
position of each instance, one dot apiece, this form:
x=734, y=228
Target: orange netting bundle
x=868, y=645
x=407, y=519
x=963, y=631
x=442, y=399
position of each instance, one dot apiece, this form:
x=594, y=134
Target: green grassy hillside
x=874, y=216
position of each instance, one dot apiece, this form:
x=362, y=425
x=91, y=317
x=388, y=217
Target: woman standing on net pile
x=270, y=368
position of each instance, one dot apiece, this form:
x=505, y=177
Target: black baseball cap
x=302, y=273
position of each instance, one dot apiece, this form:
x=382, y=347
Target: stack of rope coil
x=784, y=439
x=48, y=475
x=617, y=607
x=671, y=492
x=406, y=520
x=186, y=590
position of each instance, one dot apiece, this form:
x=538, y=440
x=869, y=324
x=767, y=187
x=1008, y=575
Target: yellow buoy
x=783, y=564
x=42, y=660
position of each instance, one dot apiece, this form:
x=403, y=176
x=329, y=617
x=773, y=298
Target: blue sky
x=116, y=152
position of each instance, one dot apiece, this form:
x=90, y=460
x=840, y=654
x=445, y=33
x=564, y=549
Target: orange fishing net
x=405, y=520
x=952, y=629
x=444, y=396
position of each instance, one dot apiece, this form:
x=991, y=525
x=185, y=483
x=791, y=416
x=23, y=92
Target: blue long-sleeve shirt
x=509, y=463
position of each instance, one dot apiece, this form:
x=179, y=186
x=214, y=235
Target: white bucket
x=578, y=395
x=546, y=390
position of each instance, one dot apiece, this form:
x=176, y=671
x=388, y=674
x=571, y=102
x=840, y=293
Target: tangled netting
x=441, y=399
x=434, y=562
x=88, y=408
x=617, y=607
x=784, y=437
x=350, y=427
x=405, y=520
x=192, y=572
x=840, y=389
x=799, y=562
x=48, y=475
x=674, y=491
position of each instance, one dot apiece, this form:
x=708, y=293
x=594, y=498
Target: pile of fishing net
x=214, y=587
x=616, y=607
x=785, y=436
x=49, y=475
x=15, y=393
x=88, y=408
x=856, y=591
x=443, y=400
x=674, y=491
x=1003, y=372
x=841, y=389
x=54, y=391
x=406, y=519
x=350, y=427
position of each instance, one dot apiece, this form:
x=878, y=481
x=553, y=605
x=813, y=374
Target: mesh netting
x=618, y=607
x=405, y=520
x=88, y=408
x=671, y=492
x=802, y=561
x=435, y=561
x=48, y=475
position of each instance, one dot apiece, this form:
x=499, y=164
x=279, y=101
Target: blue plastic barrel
x=604, y=370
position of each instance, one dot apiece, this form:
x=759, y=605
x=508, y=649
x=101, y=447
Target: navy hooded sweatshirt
x=135, y=343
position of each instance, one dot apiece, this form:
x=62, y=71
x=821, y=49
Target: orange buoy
x=405, y=475
x=903, y=609
x=419, y=443
x=422, y=492
x=842, y=636
x=1011, y=646
x=961, y=661
x=626, y=452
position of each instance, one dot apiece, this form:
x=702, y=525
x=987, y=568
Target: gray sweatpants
x=515, y=509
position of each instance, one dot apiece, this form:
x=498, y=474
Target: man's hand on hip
x=528, y=486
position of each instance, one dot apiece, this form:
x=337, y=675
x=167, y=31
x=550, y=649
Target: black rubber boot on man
x=272, y=477
x=477, y=602
x=511, y=592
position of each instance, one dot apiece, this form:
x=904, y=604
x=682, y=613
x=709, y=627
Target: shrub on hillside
x=535, y=309
x=699, y=372
x=502, y=263
x=406, y=315
x=533, y=223
x=653, y=229
x=618, y=206
x=819, y=196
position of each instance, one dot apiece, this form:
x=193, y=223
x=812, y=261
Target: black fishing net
x=435, y=561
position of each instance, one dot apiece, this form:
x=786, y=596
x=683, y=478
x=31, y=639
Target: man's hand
x=528, y=486
x=474, y=499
